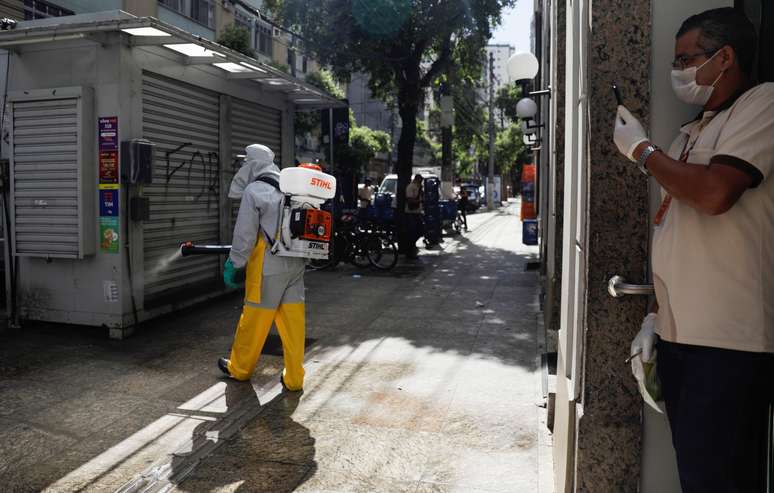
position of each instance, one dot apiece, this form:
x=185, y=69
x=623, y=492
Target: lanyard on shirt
x=687, y=148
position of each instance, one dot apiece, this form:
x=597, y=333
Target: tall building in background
x=374, y=113
x=501, y=55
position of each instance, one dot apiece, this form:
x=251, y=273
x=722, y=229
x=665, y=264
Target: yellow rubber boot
x=291, y=325
x=254, y=325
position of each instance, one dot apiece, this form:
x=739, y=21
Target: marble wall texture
x=609, y=424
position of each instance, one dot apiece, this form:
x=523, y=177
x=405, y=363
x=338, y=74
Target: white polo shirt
x=714, y=275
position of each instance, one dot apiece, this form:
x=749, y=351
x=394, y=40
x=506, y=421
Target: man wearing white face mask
x=713, y=256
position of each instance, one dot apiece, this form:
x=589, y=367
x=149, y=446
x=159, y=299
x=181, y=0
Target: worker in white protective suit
x=274, y=285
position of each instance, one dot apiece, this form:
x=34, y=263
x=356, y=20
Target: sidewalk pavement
x=424, y=380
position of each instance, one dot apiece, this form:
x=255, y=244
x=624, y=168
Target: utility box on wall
x=52, y=173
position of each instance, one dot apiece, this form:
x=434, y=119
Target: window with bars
x=177, y=5
x=202, y=11
x=40, y=9
x=264, y=41
x=242, y=20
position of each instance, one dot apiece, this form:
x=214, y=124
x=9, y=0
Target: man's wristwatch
x=644, y=157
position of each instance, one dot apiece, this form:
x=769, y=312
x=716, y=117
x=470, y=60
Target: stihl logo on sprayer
x=317, y=182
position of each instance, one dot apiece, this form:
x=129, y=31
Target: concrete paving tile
x=400, y=325
x=335, y=481
x=82, y=415
x=514, y=352
x=401, y=409
x=367, y=451
x=274, y=436
x=226, y=474
x=119, y=464
x=408, y=347
x=487, y=470
x=24, y=397
x=491, y=427
x=23, y=446
x=48, y=470
x=425, y=487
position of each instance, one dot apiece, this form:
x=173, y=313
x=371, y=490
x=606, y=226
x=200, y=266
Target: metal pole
x=447, y=173
x=330, y=135
x=490, y=174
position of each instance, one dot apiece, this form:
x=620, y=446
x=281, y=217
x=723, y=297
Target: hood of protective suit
x=259, y=161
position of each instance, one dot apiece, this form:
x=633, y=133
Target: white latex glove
x=645, y=340
x=628, y=134
x=643, y=353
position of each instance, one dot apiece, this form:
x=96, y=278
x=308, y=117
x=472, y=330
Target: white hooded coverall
x=274, y=285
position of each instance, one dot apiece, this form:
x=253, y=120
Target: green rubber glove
x=232, y=277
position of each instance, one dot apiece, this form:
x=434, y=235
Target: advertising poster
x=108, y=166
x=108, y=203
x=108, y=133
x=108, y=150
x=108, y=234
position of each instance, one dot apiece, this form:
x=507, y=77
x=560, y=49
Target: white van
x=390, y=185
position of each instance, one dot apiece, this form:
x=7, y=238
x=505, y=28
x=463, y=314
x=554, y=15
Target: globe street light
x=522, y=66
x=526, y=108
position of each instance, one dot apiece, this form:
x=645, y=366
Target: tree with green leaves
x=364, y=143
x=404, y=46
x=506, y=100
x=237, y=38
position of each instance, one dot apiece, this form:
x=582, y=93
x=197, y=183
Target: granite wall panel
x=609, y=426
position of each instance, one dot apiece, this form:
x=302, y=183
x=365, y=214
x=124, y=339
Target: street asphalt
x=425, y=379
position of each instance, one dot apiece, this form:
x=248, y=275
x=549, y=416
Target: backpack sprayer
x=303, y=229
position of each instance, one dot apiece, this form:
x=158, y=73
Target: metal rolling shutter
x=184, y=196
x=13, y=9
x=46, y=192
x=253, y=124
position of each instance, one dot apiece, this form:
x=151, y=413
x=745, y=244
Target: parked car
x=475, y=197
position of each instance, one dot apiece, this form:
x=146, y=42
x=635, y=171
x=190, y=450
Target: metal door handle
x=618, y=287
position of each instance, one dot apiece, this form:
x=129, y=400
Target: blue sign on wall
x=108, y=203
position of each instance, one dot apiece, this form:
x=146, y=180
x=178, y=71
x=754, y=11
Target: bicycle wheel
x=457, y=224
x=382, y=252
x=359, y=255
x=321, y=264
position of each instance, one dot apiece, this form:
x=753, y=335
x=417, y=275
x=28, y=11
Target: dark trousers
x=415, y=229
x=717, y=404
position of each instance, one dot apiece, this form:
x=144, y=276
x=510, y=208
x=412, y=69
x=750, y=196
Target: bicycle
x=361, y=245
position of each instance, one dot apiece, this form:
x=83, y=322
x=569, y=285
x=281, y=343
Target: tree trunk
x=408, y=106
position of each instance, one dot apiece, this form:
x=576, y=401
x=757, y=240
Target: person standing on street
x=462, y=207
x=414, y=212
x=365, y=198
x=712, y=256
x=274, y=285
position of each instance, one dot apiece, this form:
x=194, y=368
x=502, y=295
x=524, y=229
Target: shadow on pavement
x=273, y=453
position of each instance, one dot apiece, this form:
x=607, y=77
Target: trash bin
x=529, y=232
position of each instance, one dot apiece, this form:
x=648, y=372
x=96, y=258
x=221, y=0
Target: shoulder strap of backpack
x=269, y=181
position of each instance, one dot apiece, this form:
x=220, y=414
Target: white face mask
x=688, y=90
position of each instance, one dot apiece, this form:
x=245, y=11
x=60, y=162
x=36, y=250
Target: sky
x=515, y=27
